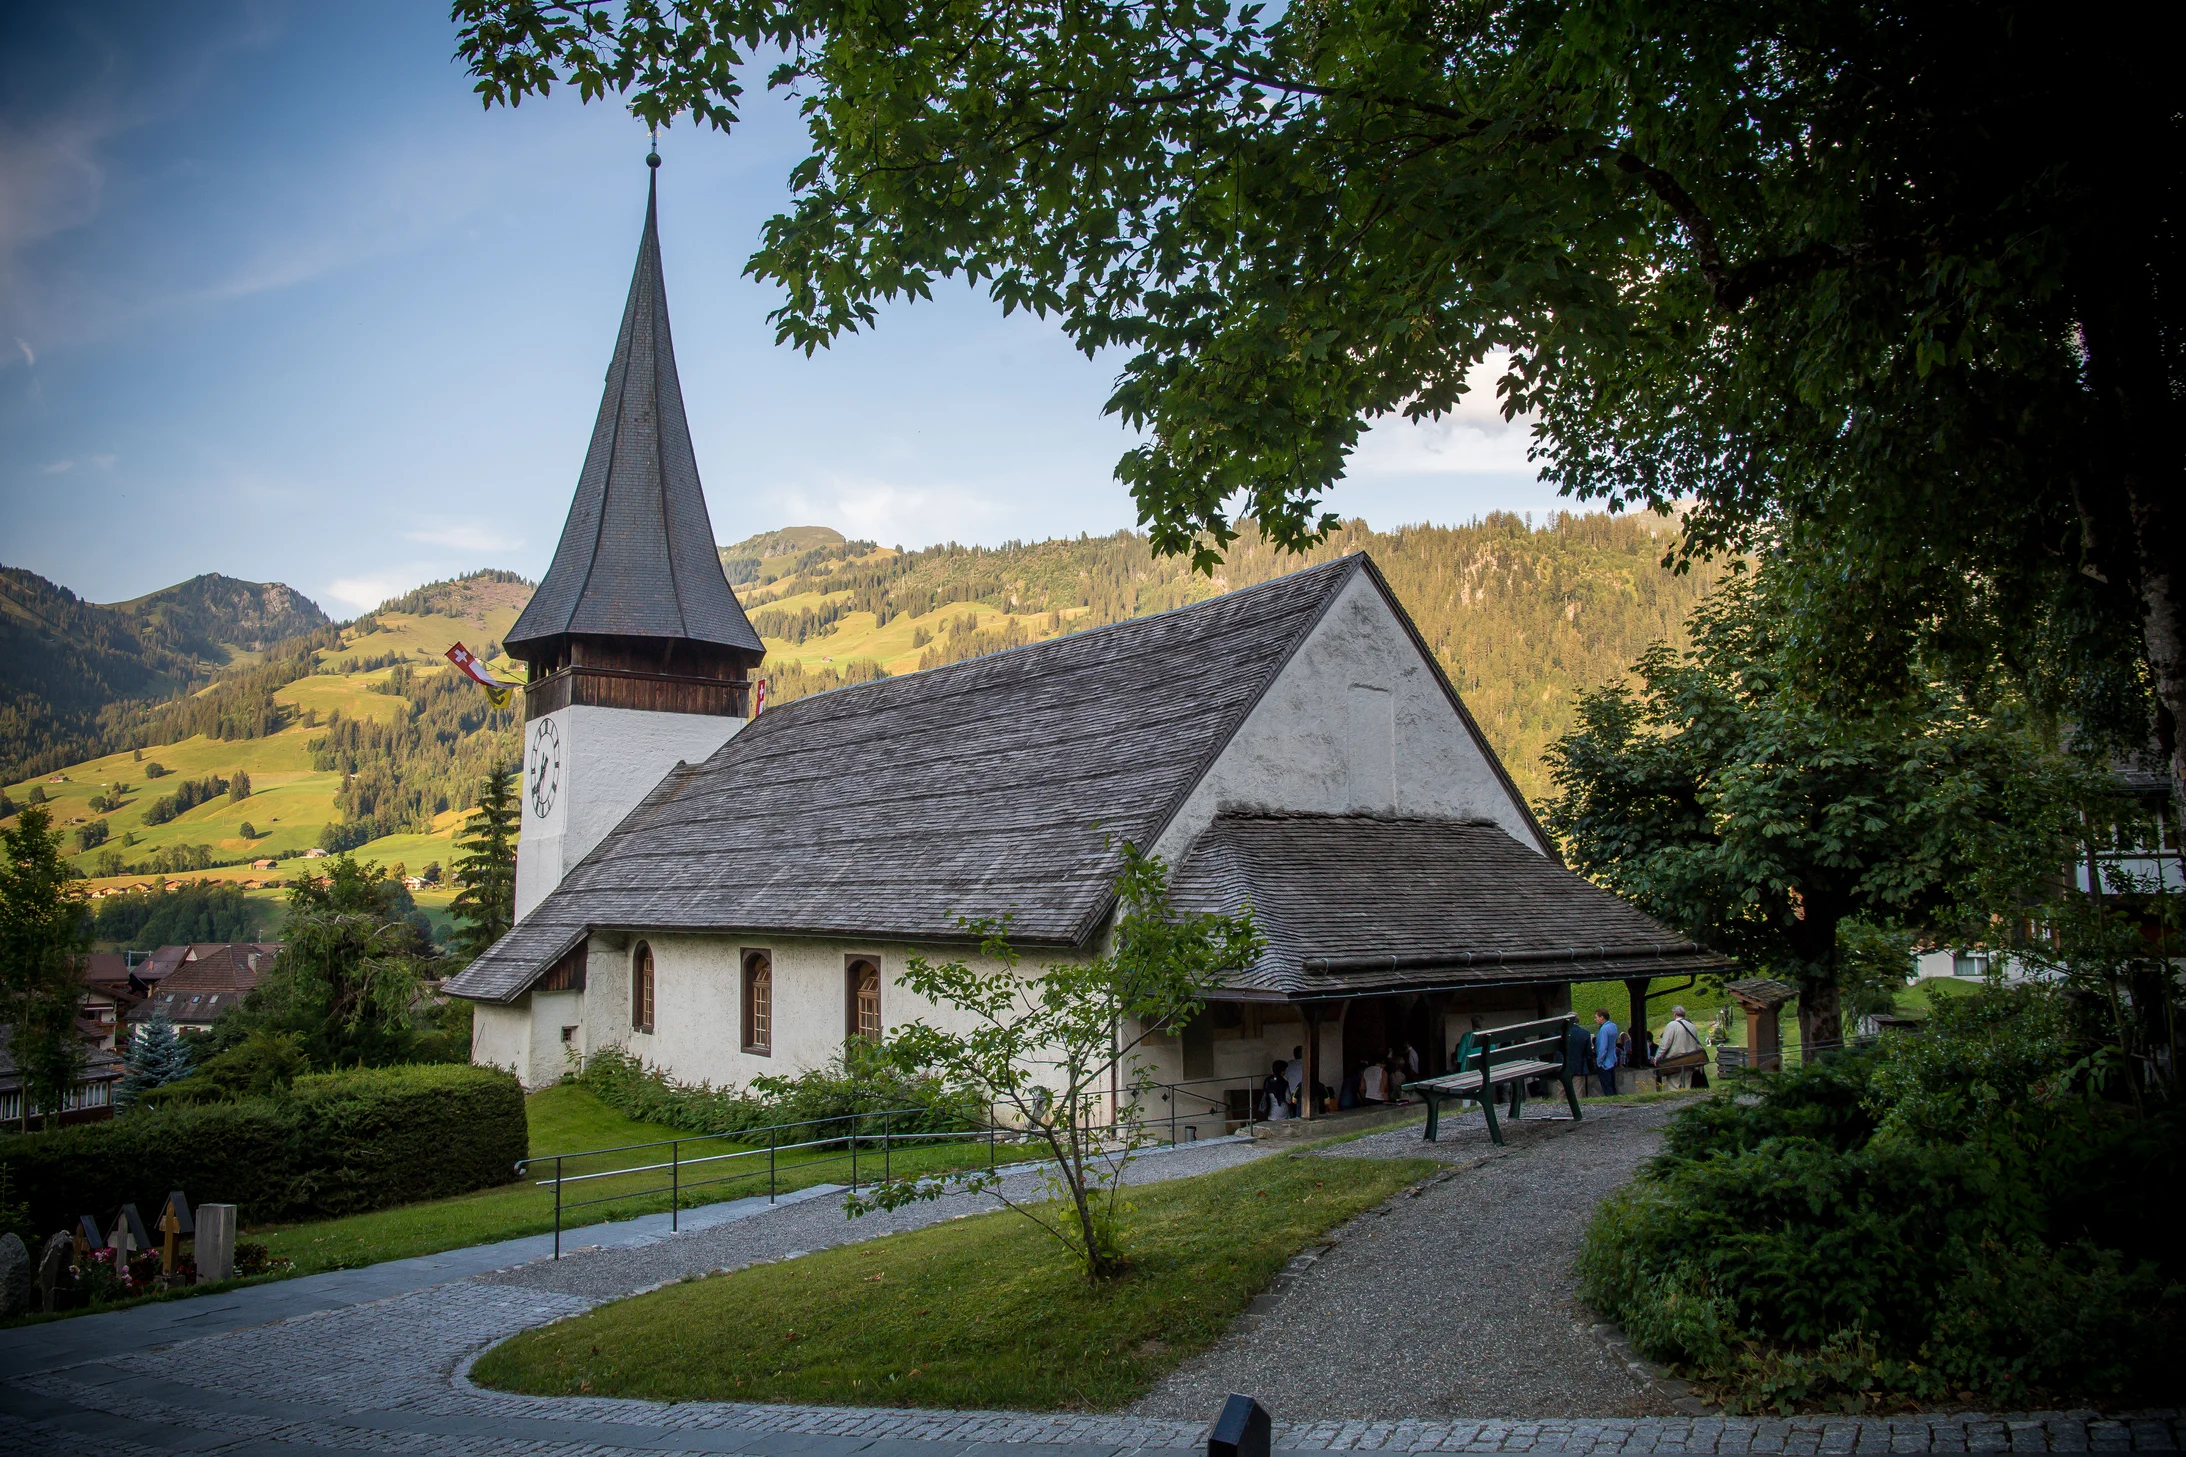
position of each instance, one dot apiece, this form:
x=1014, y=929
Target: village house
x=90, y=1099
x=204, y=982
x=726, y=896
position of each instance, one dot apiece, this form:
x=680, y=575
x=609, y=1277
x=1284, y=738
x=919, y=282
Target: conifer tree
x=485, y=872
x=239, y=786
x=42, y=939
x=156, y=1057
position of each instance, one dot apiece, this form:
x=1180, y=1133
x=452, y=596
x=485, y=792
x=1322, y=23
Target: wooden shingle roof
x=636, y=557
x=986, y=788
x=1363, y=903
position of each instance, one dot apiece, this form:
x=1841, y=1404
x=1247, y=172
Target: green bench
x=1498, y=1057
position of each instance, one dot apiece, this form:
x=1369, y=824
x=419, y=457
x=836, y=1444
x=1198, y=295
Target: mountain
x=65, y=662
x=1524, y=618
x=359, y=735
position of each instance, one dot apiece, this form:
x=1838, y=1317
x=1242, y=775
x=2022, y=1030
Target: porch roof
x=1360, y=904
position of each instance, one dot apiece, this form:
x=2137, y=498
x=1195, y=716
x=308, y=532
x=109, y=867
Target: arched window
x=864, y=999
x=759, y=1002
x=641, y=988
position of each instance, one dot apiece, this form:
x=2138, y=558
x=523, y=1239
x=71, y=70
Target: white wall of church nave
x=698, y=1012
x=1355, y=722
x=610, y=759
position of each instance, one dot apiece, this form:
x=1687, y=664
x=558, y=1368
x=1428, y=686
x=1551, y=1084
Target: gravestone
x=14, y=1275
x=215, y=1242
x=1241, y=1429
x=59, y=1248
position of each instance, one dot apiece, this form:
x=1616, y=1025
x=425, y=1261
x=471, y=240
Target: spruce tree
x=157, y=1056
x=485, y=871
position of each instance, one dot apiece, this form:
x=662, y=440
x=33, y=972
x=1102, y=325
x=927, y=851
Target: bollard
x=215, y=1242
x=1241, y=1430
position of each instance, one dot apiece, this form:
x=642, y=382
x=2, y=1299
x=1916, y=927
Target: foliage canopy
x=1841, y=274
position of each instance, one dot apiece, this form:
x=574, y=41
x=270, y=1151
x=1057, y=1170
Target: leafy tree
x=37, y=794
x=155, y=1057
x=1721, y=802
x=1931, y=342
x=485, y=871
x=1047, y=1046
x=348, y=973
x=155, y=770
x=247, y=830
x=91, y=836
x=42, y=941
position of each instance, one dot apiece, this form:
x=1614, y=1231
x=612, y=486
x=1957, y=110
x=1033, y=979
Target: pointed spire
x=637, y=556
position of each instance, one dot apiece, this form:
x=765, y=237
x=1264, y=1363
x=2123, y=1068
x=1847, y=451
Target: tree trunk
x=2123, y=319
x=1821, y=1022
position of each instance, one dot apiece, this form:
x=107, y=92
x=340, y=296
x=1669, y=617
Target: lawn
x=985, y=1312
x=570, y=1119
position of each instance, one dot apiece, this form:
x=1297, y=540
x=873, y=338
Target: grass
x=985, y=1312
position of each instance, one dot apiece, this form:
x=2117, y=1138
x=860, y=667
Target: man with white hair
x=1681, y=1051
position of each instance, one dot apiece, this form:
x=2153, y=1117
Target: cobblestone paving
x=386, y=1377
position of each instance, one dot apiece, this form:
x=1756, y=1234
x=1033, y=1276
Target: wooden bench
x=1498, y=1057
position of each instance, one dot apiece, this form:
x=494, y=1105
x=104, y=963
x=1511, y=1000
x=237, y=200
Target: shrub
x=336, y=1143
x=858, y=1080
x=1946, y=1215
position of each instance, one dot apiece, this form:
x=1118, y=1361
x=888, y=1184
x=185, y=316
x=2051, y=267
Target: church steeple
x=636, y=583
x=640, y=655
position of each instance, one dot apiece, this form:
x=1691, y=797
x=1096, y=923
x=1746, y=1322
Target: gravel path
x=818, y=1224
x=1455, y=1302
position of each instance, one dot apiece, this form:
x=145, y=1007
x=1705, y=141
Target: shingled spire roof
x=637, y=555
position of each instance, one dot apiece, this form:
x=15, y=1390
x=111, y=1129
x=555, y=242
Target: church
x=726, y=895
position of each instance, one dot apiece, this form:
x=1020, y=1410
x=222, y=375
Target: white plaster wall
x=611, y=759
x=501, y=1036
x=1356, y=721
x=698, y=986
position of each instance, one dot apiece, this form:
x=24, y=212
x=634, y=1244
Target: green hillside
x=352, y=737
x=68, y=667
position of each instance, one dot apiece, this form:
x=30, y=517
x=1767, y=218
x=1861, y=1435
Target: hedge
x=336, y=1143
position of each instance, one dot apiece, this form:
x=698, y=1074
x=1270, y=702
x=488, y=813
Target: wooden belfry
x=1762, y=999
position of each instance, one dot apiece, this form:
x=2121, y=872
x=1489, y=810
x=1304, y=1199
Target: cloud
x=466, y=536
x=29, y=358
x=366, y=593
x=57, y=468
x=883, y=511
x=1472, y=439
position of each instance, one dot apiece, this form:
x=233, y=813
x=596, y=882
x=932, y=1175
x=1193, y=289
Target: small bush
x=336, y=1143
x=1947, y=1215
x=858, y=1080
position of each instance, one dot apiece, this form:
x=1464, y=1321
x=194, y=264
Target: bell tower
x=639, y=654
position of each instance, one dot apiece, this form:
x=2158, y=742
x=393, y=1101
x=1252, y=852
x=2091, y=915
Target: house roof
x=212, y=981
x=98, y=1066
x=637, y=555
x=1363, y=903
x=989, y=787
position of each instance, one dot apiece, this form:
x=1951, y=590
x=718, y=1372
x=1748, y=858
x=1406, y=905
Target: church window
x=759, y=1002
x=864, y=979
x=641, y=988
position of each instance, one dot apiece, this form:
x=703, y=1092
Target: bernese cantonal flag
x=467, y=661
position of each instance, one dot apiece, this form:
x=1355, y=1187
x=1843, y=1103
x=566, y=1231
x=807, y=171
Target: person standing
x=1276, y=1092
x=1605, y=1053
x=1681, y=1051
x=1295, y=1075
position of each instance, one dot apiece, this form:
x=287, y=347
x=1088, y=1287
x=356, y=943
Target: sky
x=279, y=299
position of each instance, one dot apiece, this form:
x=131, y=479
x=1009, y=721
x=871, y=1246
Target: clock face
x=544, y=768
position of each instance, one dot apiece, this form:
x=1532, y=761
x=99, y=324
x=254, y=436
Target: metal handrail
x=847, y=1140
